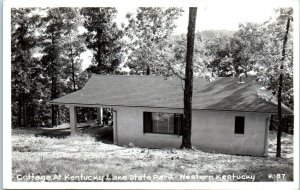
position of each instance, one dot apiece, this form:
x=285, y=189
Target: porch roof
x=222, y=94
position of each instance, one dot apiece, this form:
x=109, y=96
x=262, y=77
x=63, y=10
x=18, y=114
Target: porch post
x=100, y=115
x=115, y=126
x=73, y=120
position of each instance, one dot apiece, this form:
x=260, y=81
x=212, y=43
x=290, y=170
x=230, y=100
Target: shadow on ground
x=101, y=133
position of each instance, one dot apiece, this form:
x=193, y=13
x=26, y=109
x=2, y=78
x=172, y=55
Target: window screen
x=239, y=125
x=164, y=123
x=178, y=123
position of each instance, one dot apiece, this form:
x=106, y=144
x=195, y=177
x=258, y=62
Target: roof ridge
x=99, y=75
x=160, y=76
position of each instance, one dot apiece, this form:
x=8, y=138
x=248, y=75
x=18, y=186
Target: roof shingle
x=223, y=93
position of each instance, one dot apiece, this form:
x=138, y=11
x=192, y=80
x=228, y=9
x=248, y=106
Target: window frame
x=237, y=125
x=149, y=130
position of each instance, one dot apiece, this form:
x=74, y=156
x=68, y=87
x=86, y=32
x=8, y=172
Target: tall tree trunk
x=20, y=110
x=280, y=124
x=53, y=96
x=22, y=107
x=148, y=71
x=25, y=114
x=188, y=89
x=73, y=78
x=33, y=124
x=54, y=108
x=73, y=67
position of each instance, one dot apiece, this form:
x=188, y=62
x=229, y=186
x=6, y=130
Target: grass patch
x=82, y=155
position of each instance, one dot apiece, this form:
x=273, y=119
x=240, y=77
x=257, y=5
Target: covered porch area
x=103, y=128
x=74, y=126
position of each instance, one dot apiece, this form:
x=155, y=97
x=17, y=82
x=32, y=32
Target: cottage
x=229, y=115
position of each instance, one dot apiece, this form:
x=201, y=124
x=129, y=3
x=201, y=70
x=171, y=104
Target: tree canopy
x=102, y=37
x=47, y=44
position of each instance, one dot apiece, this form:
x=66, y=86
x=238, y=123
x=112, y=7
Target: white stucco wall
x=211, y=131
x=214, y=131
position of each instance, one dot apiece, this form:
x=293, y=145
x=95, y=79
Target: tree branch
x=172, y=69
x=174, y=72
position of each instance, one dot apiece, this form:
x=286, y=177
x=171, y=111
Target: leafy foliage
x=102, y=37
x=45, y=50
x=47, y=42
x=148, y=33
x=25, y=69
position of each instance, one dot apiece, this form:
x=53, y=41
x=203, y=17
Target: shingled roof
x=223, y=94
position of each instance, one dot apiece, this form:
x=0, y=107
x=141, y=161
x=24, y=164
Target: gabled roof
x=223, y=93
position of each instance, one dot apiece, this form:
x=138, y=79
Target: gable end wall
x=212, y=131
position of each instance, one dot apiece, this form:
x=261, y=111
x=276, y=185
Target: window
x=164, y=123
x=239, y=125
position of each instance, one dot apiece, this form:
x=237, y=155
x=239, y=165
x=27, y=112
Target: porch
x=75, y=127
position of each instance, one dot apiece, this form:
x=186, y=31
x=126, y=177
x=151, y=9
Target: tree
x=103, y=38
x=245, y=44
x=148, y=32
x=188, y=89
x=274, y=63
x=61, y=45
x=285, y=15
x=218, y=51
x=51, y=38
x=73, y=46
x=173, y=56
x=24, y=67
x=266, y=50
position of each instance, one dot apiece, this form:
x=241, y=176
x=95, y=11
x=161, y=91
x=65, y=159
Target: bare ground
x=85, y=155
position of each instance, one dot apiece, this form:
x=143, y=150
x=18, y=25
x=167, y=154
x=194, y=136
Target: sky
x=222, y=14
x=216, y=15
